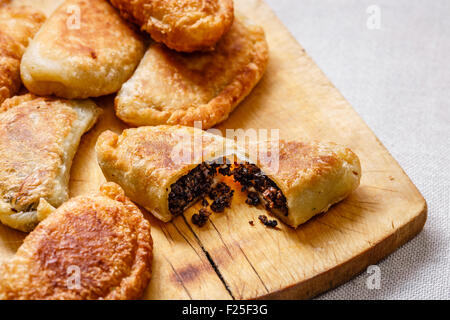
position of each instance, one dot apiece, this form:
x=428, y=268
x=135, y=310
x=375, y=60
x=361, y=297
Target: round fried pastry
x=92, y=247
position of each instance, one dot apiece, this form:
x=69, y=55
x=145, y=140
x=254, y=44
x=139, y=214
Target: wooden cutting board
x=229, y=258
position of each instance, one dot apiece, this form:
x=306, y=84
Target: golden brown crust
x=174, y=88
x=146, y=161
x=9, y=67
x=17, y=26
x=312, y=176
x=103, y=238
x=38, y=139
x=185, y=26
x=85, y=49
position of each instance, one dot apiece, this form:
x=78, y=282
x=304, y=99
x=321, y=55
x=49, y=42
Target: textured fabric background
x=398, y=79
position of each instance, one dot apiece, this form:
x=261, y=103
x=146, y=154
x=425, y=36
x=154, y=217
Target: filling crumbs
x=267, y=222
x=201, y=217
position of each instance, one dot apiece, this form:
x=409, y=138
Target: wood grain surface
x=229, y=258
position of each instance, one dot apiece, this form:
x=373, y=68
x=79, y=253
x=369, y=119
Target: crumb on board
x=267, y=222
x=201, y=217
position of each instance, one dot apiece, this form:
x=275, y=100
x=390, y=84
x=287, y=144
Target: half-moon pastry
x=186, y=26
x=92, y=247
x=176, y=88
x=297, y=180
x=38, y=140
x=85, y=49
x=147, y=162
x=17, y=27
x=294, y=180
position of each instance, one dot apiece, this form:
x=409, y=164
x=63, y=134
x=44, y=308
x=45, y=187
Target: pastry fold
x=84, y=49
x=38, y=140
x=92, y=247
x=147, y=161
x=18, y=26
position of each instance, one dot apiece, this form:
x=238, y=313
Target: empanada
x=38, y=140
x=186, y=26
x=175, y=88
x=147, y=161
x=83, y=50
x=298, y=180
x=92, y=247
x=17, y=27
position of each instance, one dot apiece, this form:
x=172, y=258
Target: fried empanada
x=92, y=247
x=83, y=50
x=17, y=27
x=298, y=180
x=147, y=161
x=38, y=140
x=185, y=26
x=175, y=88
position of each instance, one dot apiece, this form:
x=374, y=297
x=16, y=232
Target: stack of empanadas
x=192, y=64
x=181, y=88
x=218, y=61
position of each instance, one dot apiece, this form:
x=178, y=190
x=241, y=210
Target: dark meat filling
x=190, y=187
x=201, y=218
x=267, y=222
x=253, y=199
x=205, y=202
x=225, y=170
x=253, y=180
x=200, y=182
x=221, y=195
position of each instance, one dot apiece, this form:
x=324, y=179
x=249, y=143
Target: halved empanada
x=176, y=88
x=93, y=247
x=38, y=140
x=298, y=180
x=83, y=50
x=186, y=26
x=294, y=180
x=147, y=161
x=17, y=27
